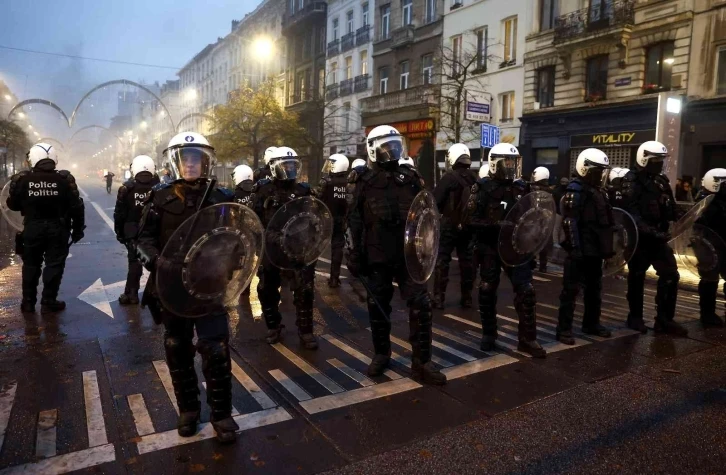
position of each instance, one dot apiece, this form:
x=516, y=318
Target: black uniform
x=243, y=193
x=714, y=217
x=615, y=192
x=261, y=174
x=588, y=230
x=53, y=211
x=333, y=194
x=168, y=206
x=130, y=202
x=489, y=203
x=109, y=181
x=649, y=199
x=544, y=253
x=379, y=200
x=454, y=235
x=267, y=197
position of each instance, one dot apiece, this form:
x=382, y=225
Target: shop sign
x=477, y=111
x=612, y=139
x=413, y=129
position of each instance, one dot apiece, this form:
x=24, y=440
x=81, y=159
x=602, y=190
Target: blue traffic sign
x=489, y=135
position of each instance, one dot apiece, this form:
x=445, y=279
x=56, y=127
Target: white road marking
x=45, y=439
x=690, y=308
x=82, y=192
x=66, y=463
x=252, y=387
x=604, y=315
x=478, y=366
x=106, y=219
x=96, y=296
x=453, y=351
x=350, y=372
x=144, y=426
x=325, y=274
x=358, y=355
x=499, y=344
x=310, y=370
x=461, y=341
x=292, y=387
x=404, y=344
x=235, y=412
x=7, y=397
x=402, y=360
x=94, y=412
x=355, y=396
x=540, y=279
x=163, y=371
x=168, y=439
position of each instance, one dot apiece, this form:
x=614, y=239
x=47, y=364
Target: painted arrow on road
x=97, y=295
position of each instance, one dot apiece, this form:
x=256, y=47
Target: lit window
x=507, y=107
x=659, y=66
x=510, y=39
x=597, y=78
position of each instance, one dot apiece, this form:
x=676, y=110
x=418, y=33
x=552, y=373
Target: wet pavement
x=87, y=389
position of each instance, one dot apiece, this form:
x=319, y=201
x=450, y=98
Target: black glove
x=355, y=264
x=77, y=235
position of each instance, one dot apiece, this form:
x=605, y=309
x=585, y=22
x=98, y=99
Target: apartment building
x=348, y=75
x=594, y=72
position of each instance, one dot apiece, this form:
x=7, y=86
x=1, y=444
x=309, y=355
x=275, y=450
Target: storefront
x=419, y=136
x=555, y=140
x=704, y=137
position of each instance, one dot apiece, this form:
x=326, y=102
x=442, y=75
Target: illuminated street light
x=263, y=48
x=8, y=97
x=191, y=94
x=21, y=115
x=143, y=125
x=75, y=165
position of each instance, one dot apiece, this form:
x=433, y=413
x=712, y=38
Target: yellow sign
x=603, y=139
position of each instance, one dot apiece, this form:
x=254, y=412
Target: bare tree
x=16, y=143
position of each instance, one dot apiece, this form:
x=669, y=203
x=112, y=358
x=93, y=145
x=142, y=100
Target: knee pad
x=215, y=350
x=486, y=287
x=174, y=343
x=421, y=302
x=527, y=294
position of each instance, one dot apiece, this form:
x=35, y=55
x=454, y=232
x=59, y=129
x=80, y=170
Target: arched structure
x=44, y=102
x=94, y=127
x=52, y=141
x=191, y=116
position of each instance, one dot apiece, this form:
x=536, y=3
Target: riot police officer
x=358, y=162
x=169, y=205
x=379, y=200
x=242, y=177
x=615, y=190
x=53, y=211
x=267, y=197
x=454, y=235
x=588, y=229
x=541, y=182
x=333, y=193
x=714, y=217
x=264, y=171
x=130, y=202
x=647, y=196
x=491, y=198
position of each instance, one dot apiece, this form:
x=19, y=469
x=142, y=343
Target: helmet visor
x=328, y=166
x=286, y=168
x=507, y=166
x=191, y=162
x=462, y=159
x=597, y=175
x=389, y=149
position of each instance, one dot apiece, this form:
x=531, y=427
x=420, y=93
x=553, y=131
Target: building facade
x=593, y=74
x=405, y=93
x=348, y=74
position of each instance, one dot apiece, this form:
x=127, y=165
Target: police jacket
x=557, y=193
x=615, y=192
x=45, y=193
x=243, y=193
x=261, y=173
x=448, y=194
x=269, y=195
x=332, y=192
x=489, y=203
x=587, y=220
x=714, y=216
x=649, y=199
x=130, y=202
x=538, y=187
x=378, y=204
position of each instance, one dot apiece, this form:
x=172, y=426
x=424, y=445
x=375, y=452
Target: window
x=456, y=54
x=364, y=62
x=600, y=10
x=659, y=65
x=549, y=10
x=482, y=45
x=349, y=21
x=404, y=76
x=507, y=107
x=407, y=10
x=383, y=80
x=333, y=74
x=385, y=21
x=346, y=117
x=546, y=86
x=456, y=3
x=348, y=68
x=335, y=29
x=292, y=6
x=321, y=82
x=546, y=156
x=427, y=66
x=510, y=40
x=364, y=9
x=597, y=78
x=431, y=11
x=721, y=73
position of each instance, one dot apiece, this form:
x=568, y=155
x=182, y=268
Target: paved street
x=88, y=389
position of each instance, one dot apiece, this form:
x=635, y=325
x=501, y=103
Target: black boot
x=274, y=327
x=670, y=327
x=217, y=368
x=304, y=313
x=226, y=430
x=420, y=336
x=566, y=337
x=27, y=306
x=334, y=282
x=488, y=343
x=597, y=330
x=308, y=340
x=438, y=299
x=714, y=321
x=466, y=300
x=707, y=300
x=532, y=347
x=274, y=335
x=637, y=324
x=665, y=304
x=186, y=423
x=180, y=360
x=52, y=305
x=427, y=373
x=378, y=365
x=129, y=298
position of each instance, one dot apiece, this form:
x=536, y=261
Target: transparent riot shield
x=625, y=241
x=14, y=218
x=701, y=251
x=527, y=228
x=687, y=220
x=421, y=237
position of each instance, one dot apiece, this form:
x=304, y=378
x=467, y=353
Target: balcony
x=416, y=96
x=310, y=12
x=402, y=36
x=347, y=42
x=346, y=87
x=331, y=92
x=363, y=35
x=594, y=20
x=362, y=83
x=333, y=48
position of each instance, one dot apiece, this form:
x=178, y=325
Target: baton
x=373, y=297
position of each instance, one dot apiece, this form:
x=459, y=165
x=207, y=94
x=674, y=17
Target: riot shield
x=527, y=228
x=298, y=233
x=421, y=237
x=14, y=218
x=701, y=251
x=625, y=241
x=209, y=260
x=687, y=220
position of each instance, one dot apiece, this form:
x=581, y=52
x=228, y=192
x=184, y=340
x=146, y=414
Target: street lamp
x=191, y=94
x=262, y=48
x=8, y=97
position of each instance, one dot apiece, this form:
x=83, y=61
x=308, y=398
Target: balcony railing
x=301, y=96
x=331, y=91
x=403, y=36
x=346, y=87
x=363, y=35
x=307, y=11
x=333, y=47
x=362, y=83
x=598, y=17
x=415, y=96
x=347, y=42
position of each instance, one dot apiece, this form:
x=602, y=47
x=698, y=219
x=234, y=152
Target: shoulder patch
x=225, y=192
x=161, y=186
